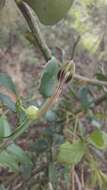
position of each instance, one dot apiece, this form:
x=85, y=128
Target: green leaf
x=7, y=82
x=50, y=12
x=13, y=156
x=101, y=77
x=6, y=100
x=49, y=78
x=71, y=153
x=5, y=128
x=85, y=98
x=18, y=154
x=99, y=139
x=7, y=160
x=96, y=138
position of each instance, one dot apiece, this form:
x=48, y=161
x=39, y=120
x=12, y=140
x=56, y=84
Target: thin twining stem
x=34, y=28
x=90, y=81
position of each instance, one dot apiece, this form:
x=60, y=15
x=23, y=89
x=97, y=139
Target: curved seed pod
x=50, y=11
x=67, y=71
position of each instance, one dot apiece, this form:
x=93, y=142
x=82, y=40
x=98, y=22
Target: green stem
x=33, y=25
x=14, y=135
x=90, y=81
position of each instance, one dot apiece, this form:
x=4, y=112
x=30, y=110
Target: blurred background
x=86, y=23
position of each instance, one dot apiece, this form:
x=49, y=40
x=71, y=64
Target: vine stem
x=50, y=186
x=91, y=81
x=33, y=25
x=9, y=139
x=78, y=181
x=35, y=30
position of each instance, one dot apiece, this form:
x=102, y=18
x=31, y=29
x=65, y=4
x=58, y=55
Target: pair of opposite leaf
x=50, y=12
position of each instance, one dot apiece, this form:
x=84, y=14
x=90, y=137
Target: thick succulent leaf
x=49, y=78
